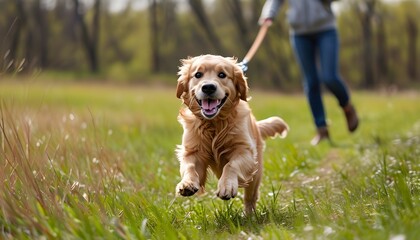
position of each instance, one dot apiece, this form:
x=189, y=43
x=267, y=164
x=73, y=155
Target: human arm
x=270, y=10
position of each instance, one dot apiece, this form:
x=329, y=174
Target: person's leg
x=305, y=51
x=304, y=47
x=328, y=43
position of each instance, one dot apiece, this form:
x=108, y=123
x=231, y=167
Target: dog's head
x=210, y=84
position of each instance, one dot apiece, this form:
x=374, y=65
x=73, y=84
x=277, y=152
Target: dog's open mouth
x=210, y=107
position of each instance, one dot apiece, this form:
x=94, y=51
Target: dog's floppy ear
x=241, y=83
x=184, y=75
x=180, y=87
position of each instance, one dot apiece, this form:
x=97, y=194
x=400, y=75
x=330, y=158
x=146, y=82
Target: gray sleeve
x=270, y=10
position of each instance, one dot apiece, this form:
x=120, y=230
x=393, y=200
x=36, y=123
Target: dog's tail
x=273, y=127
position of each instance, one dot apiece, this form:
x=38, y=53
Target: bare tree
x=366, y=11
x=412, y=32
x=256, y=7
x=42, y=27
x=90, y=42
x=16, y=29
x=381, y=53
x=154, y=36
x=236, y=11
x=200, y=13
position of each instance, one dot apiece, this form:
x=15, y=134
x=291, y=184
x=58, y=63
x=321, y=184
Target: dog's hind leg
x=251, y=194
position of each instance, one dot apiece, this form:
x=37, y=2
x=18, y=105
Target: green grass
x=84, y=161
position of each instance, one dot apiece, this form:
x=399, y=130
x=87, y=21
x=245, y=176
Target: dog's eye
x=198, y=75
x=221, y=75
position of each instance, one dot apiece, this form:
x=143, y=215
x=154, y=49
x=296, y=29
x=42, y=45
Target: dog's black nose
x=208, y=88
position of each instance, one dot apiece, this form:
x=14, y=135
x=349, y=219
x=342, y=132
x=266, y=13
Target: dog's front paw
x=187, y=188
x=227, y=189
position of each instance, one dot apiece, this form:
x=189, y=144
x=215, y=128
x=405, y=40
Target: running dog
x=220, y=131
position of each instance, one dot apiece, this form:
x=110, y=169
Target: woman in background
x=314, y=38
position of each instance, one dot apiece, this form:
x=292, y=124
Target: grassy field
x=84, y=161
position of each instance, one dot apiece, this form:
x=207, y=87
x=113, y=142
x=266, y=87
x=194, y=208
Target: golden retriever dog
x=220, y=131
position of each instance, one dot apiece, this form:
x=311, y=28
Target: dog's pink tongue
x=209, y=104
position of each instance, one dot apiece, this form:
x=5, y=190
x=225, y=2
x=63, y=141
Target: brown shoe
x=321, y=135
x=351, y=117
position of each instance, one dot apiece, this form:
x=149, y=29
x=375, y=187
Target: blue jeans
x=317, y=54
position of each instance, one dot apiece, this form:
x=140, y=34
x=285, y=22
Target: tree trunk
x=381, y=53
x=94, y=43
x=412, y=32
x=366, y=23
x=42, y=27
x=154, y=36
x=16, y=29
x=90, y=43
x=236, y=12
x=200, y=13
x=256, y=11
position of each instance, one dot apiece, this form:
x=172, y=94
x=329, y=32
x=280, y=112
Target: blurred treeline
x=379, y=41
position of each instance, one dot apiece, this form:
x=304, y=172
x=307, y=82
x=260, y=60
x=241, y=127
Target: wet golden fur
x=226, y=139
